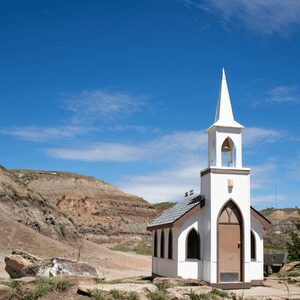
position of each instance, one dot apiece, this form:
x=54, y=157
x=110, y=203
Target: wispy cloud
x=166, y=185
x=41, y=134
x=89, y=109
x=283, y=94
x=168, y=148
x=95, y=105
x=252, y=135
x=262, y=175
x=266, y=17
x=184, y=153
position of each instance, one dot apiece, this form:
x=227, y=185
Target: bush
x=156, y=295
x=116, y=294
x=294, y=273
x=62, y=228
x=44, y=286
x=133, y=296
x=163, y=286
x=98, y=295
x=294, y=247
x=194, y=296
x=14, y=284
x=220, y=293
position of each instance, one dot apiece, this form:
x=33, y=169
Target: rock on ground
x=23, y=264
x=15, y=265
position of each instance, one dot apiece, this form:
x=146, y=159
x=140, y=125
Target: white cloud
x=170, y=147
x=95, y=105
x=266, y=17
x=41, y=134
x=253, y=135
x=100, y=152
x=166, y=185
x=166, y=148
x=262, y=175
x=284, y=93
x=184, y=151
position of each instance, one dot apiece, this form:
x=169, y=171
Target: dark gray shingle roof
x=175, y=212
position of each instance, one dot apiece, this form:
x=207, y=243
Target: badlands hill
x=99, y=211
x=68, y=215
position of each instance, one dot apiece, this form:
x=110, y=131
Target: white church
x=215, y=236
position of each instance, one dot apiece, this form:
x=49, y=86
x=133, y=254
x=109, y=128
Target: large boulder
x=57, y=266
x=21, y=264
x=15, y=265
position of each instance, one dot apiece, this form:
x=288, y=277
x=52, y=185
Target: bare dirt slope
x=98, y=210
x=28, y=207
x=109, y=264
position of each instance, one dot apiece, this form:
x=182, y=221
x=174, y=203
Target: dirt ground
x=109, y=264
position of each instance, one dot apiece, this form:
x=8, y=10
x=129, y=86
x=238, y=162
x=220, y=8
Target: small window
x=155, y=244
x=170, y=246
x=162, y=244
x=253, y=246
x=193, y=245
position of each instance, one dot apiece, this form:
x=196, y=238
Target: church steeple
x=224, y=116
x=224, y=135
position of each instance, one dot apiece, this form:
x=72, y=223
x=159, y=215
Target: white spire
x=224, y=115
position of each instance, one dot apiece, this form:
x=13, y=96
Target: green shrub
x=294, y=273
x=163, y=286
x=219, y=293
x=194, y=296
x=62, y=228
x=98, y=295
x=294, y=247
x=133, y=296
x=14, y=284
x=116, y=294
x=156, y=295
x=44, y=286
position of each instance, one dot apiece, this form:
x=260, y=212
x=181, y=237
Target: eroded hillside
x=99, y=211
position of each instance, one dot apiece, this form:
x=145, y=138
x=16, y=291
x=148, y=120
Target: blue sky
x=123, y=90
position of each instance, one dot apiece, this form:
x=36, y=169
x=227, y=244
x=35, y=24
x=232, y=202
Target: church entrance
x=230, y=244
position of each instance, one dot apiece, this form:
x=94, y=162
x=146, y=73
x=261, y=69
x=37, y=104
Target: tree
x=294, y=247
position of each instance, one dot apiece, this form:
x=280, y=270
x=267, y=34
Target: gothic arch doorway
x=230, y=244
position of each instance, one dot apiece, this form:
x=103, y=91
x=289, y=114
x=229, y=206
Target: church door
x=230, y=247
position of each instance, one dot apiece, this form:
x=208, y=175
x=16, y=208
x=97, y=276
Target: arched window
x=228, y=155
x=253, y=246
x=193, y=245
x=170, y=246
x=162, y=244
x=155, y=244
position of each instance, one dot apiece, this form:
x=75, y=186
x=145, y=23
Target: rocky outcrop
x=100, y=212
x=16, y=264
x=23, y=264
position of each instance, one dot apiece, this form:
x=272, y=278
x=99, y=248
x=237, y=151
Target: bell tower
x=224, y=135
x=225, y=185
